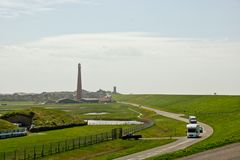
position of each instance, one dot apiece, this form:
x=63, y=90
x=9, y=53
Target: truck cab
x=192, y=119
x=194, y=130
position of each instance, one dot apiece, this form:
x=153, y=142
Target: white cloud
x=13, y=8
x=116, y=45
x=138, y=62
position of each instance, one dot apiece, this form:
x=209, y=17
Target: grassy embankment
x=5, y=125
x=115, y=111
x=220, y=112
x=43, y=119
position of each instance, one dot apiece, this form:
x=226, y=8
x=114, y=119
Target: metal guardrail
x=13, y=133
x=147, y=124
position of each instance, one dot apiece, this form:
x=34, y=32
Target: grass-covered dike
x=220, y=112
x=5, y=125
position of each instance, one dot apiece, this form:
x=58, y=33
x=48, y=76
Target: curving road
x=179, y=144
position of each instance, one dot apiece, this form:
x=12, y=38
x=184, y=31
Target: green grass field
x=52, y=136
x=164, y=127
x=16, y=103
x=220, y=112
x=115, y=111
x=57, y=112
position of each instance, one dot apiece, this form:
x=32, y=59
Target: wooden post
x=4, y=155
x=34, y=153
x=85, y=140
x=42, y=154
x=79, y=142
x=120, y=133
x=112, y=134
x=24, y=154
x=15, y=154
x=73, y=144
x=65, y=145
x=51, y=149
x=58, y=147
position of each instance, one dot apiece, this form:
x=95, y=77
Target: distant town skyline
x=165, y=47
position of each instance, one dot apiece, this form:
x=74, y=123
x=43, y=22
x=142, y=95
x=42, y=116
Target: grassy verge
x=164, y=127
x=108, y=150
x=220, y=112
x=52, y=136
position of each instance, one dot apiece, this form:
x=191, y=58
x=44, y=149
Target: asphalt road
x=179, y=144
x=229, y=152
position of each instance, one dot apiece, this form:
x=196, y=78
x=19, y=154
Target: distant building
x=106, y=99
x=89, y=100
x=92, y=97
x=66, y=101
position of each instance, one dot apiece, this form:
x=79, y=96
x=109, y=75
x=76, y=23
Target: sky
x=140, y=46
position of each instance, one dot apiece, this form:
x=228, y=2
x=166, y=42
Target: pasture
x=114, y=111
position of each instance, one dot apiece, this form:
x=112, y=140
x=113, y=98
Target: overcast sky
x=140, y=46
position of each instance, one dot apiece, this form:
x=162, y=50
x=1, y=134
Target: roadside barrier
x=147, y=124
x=13, y=133
x=38, y=151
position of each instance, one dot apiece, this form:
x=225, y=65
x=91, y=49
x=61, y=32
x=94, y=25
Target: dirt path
x=229, y=152
x=181, y=143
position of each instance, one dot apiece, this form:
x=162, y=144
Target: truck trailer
x=194, y=130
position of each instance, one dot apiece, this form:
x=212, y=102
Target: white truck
x=194, y=130
x=192, y=119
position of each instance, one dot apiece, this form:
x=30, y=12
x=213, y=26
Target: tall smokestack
x=114, y=90
x=79, y=84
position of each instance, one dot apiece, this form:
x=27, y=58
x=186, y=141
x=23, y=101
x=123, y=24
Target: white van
x=194, y=130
